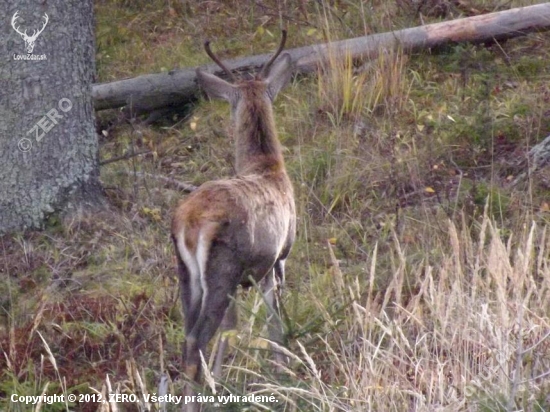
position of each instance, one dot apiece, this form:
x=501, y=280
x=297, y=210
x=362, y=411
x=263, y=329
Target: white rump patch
x=193, y=268
x=203, y=247
x=196, y=265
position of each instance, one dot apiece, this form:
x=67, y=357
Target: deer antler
x=13, y=20
x=218, y=61
x=46, y=18
x=266, y=66
x=35, y=33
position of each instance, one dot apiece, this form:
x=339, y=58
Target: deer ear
x=216, y=87
x=279, y=75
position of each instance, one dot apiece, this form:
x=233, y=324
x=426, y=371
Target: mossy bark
x=48, y=144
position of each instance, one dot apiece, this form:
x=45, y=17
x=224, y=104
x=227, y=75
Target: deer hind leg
x=191, y=297
x=229, y=322
x=218, y=279
x=220, y=275
x=271, y=286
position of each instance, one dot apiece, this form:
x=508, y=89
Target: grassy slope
x=419, y=278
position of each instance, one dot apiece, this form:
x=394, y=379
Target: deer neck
x=258, y=148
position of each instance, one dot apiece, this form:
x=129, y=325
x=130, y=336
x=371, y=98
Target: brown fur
x=258, y=154
x=258, y=147
x=232, y=229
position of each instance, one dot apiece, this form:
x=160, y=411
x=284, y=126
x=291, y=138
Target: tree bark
x=48, y=144
x=175, y=88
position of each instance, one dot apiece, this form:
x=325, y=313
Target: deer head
x=251, y=100
x=29, y=40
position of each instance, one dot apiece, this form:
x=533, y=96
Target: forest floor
x=420, y=277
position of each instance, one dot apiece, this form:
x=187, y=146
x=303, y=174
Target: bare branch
x=124, y=157
x=185, y=187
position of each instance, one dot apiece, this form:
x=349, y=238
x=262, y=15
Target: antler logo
x=29, y=40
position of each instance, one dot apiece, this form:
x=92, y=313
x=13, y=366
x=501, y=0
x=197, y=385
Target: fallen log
x=165, y=90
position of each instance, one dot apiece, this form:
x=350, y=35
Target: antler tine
x=14, y=22
x=217, y=61
x=265, y=67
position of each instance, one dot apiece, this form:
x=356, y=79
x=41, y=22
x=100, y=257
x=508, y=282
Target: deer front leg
x=229, y=322
x=271, y=291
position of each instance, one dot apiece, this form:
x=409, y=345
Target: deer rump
x=246, y=216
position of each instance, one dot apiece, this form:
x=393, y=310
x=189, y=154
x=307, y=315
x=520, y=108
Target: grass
x=419, y=278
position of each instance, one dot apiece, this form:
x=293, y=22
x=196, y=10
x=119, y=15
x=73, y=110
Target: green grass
x=419, y=278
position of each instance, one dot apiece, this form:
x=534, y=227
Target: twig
x=185, y=187
x=126, y=156
x=542, y=375
x=541, y=340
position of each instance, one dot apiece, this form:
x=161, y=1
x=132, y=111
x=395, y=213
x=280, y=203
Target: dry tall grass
x=403, y=293
x=346, y=92
x=467, y=331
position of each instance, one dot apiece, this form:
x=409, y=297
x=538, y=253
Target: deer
x=29, y=40
x=240, y=230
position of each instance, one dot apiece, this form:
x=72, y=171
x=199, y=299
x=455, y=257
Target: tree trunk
x=177, y=87
x=48, y=144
